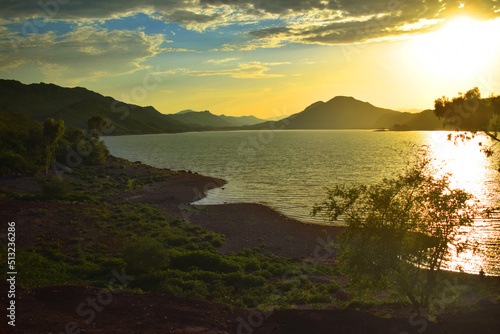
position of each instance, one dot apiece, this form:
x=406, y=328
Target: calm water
x=288, y=170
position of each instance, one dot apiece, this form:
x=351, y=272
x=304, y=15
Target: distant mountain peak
x=207, y=119
x=187, y=111
x=344, y=97
x=347, y=112
x=347, y=99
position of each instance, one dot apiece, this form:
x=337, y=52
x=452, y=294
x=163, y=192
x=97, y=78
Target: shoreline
x=245, y=225
x=267, y=128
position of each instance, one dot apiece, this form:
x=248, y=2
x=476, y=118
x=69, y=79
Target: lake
x=289, y=170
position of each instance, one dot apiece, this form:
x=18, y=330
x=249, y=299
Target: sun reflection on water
x=471, y=170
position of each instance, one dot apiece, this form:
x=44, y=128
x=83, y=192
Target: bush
x=241, y=281
x=21, y=148
x=40, y=271
x=92, y=151
x=146, y=255
x=297, y=297
x=12, y=162
x=401, y=230
x=330, y=287
x=53, y=188
x=205, y=261
x=287, y=285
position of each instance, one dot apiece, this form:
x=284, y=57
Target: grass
x=98, y=236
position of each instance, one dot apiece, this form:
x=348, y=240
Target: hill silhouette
x=76, y=105
x=199, y=118
x=345, y=112
x=207, y=119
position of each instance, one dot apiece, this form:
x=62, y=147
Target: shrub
x=146, y=255
x=401, y=230
x=297, y=296
x=11, y=162
x=53, y=188
x=205, y=261
x=241, y=281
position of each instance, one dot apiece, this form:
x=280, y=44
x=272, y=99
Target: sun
x=464, y=46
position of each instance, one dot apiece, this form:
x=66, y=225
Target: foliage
x=97, y=125
x=52, y=188
x=95, y=236
x=145, y=255
x=470, y=112
x=205, y=261
x=90, y=149
x=175, y=257
x=27, y=146
x=52, y=131
x=401, y=230
x=20, y=144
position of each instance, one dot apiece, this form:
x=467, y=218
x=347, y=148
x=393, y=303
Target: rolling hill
x=199, y=119
x=343, y=112
x=207, y=119
x=76, y=105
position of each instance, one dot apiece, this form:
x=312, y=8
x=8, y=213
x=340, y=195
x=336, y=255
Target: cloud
x=192, y=20
x=275, y=31
x=178, y=50
x=273, y=42
x=75, y=10
x=83, y=54
x=358, y=21
x=219, y=61
x=249, y=70
x=273, y=22
x=273, y=6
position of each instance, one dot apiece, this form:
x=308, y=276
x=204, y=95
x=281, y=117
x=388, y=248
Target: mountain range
x=76, y=105
x=345, y=112
x=207, y=119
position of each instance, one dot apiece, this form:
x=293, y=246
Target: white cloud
x=178, y=50
x=219, y=61
x=82, y=54
x=249, y=70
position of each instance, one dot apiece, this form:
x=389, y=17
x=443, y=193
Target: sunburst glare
x=462, y=47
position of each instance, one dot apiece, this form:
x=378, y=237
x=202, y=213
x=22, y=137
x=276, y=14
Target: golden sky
x=255, y=57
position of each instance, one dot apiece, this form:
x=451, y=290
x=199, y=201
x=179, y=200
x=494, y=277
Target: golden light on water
x=474, y=172
x=468, y=165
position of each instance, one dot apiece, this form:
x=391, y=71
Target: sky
x=255, y=57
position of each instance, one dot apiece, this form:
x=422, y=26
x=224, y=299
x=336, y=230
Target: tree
x=21, y=144
x=401, y=230
x=52, y=131
x=96, y=126
x=91, y=150
x=471, y=113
